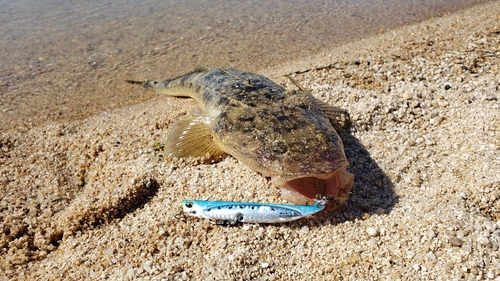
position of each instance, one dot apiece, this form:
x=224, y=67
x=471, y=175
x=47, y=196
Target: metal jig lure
x=225, y=212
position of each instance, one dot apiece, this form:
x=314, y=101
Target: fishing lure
x=225, y=212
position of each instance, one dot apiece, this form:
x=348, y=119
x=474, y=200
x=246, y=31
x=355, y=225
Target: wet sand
x=93, y=198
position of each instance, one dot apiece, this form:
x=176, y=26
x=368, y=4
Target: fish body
x=225, y=212
x=286, y=135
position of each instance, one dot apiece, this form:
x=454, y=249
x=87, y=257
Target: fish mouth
x=309, y=189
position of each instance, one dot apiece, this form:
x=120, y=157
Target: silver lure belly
x=221, y=212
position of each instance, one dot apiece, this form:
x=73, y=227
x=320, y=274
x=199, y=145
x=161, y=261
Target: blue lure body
x=225, y=212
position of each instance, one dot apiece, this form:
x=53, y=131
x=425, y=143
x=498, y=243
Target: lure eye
x=189, y=204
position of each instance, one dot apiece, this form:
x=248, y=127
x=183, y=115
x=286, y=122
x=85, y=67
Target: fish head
x=313, y=166
x=291, y=141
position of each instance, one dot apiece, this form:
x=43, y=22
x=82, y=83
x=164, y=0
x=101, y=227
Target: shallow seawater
x=63, y=60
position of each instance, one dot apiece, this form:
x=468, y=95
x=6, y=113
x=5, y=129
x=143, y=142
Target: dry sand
x=94, y=199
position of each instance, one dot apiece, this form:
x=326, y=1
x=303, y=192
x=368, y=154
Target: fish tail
x=135, y=82
x=150, y=83
x=182, y=86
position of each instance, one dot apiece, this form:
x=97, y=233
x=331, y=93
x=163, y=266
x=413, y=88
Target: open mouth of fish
x=306, y=189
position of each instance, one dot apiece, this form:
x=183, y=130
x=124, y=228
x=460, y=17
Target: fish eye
x=279, y=147
x=322, y=136
x=189, y=204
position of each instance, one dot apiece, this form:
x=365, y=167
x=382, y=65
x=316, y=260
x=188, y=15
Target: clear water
x=61, y=59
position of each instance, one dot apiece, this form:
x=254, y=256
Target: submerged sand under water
x=66, y=60
x=92, y=198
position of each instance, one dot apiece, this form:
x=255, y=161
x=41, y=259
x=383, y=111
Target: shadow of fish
x=286, y=135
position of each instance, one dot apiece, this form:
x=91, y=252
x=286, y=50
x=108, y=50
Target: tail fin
x=149, y=83
x=137, y=82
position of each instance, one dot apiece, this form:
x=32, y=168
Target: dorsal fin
x=297, y=84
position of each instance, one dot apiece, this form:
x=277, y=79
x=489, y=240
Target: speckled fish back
x=215, y=89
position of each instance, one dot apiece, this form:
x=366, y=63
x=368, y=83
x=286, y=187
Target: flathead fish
x=286, y=135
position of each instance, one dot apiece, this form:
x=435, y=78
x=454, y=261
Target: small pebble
x=455, y=241
x=482, y=240
x=147, y=265
x=489, y=226
x=372, y=231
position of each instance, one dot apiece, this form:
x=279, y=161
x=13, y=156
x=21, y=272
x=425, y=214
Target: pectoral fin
x=192, y=137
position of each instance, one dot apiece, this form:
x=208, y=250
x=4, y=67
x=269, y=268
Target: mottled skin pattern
x=283, y=134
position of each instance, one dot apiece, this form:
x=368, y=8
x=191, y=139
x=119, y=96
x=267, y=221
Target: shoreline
x=92, y=198
x=77, y=71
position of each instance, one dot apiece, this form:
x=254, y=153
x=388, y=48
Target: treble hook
x=180, y=215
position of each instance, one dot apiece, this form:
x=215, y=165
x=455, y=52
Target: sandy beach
x=95, y=199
